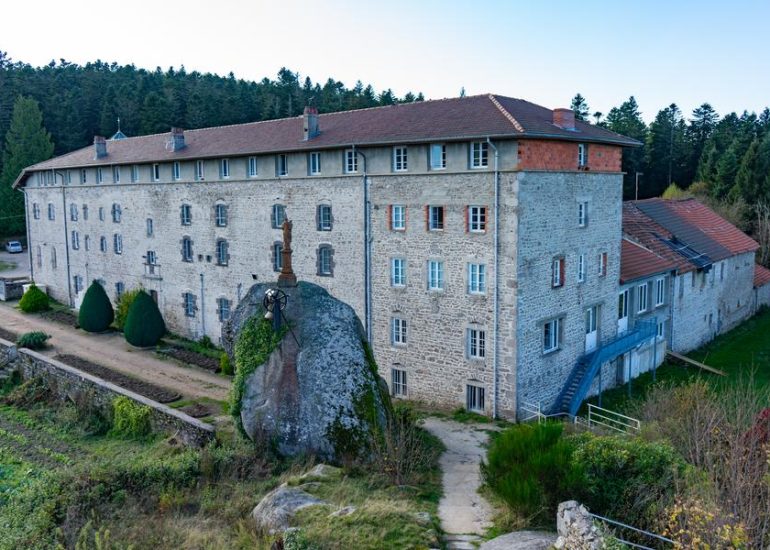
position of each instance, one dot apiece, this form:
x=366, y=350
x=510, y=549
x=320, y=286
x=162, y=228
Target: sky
x=686, y=51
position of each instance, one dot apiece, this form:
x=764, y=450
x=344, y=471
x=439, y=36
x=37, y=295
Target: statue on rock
x=287, y=277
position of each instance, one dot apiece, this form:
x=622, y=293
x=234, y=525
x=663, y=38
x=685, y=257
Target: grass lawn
x=742, y=352
x=5, y=266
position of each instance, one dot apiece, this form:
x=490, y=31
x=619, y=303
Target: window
x=87, y=242
x=474, y=398
x=224, y=168
x=53, y=258
x=116, y=213
x=188, y=301
x=398, y=272
x=661, y=329
x=435, y=275
x=74, y=212
x=78, y=283
x=398, y=382
x=325, y=264
x=51, y=211
x=479, y=154
x=150, y=227
x=252, y=167
x=582, y=155
x=324, y=217
x=220, y=214
x=476, y=343
x=83, y=176
x=134, y=173
x=351, y=161
x=398, y=217
x=99, y=175
x=551, y=335
x=477, y=278
x=277, y=256
x=75, y=240
x=279, y=215
x=152, y=258
x=281, y=165
x=222, y=255
x=101, y=213
x=660, y=292
x=641, y=295
x=176, y=171
x=435, y=218
x=185, y=214
x=120, y=288
x=69, y=177
x=623, y=305
x=36, y=210
x=156, y=172
x=399, y=159
x=602, y=271
x=116, y=174
x=581, y=274
x=200, y=174
x=314, y=163
x=85, y=212
x=39, y=256
x=582, y=214
x=398, y=331
x=223, y=309
x=117, y=243
x=557, y=272
x=477, y=219
x=437, y=156
x=103, y=244
x=187, y=249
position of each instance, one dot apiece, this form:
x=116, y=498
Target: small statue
x=287, y=277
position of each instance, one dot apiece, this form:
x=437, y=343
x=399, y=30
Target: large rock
x=521, y=540
x=274, y=512
x=576, y=528
x=318, y=392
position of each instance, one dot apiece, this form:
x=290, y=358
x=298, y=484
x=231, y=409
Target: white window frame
x=479, y=155
x=583, y=214
x=315, y=163
x=152, y=258
x=176, y=171
x=477, y=278
x=117, y=243
x=324, y=217
x=551, y=335
x=224, y=168
x=557, y=279
x=438, y=156
x=134, y=173
x=603, y=262
x=476, y=343
x=75, y=240
x=398, y=217
x=189, y=304
x=117, y=213
x=398, y=386
x=642, y=298
x=277, y=256
x=398, y=331
x=274, y=221
x=200, y=170
x=475, y=398
x=282, y=165
x=156, y=172
x=477, y=219
x=400, y=158
x=223, y=252
x=435, y=218
x=223, y=309
x=187, y=249
x=581, y=274
x=351, y=161
x=99, y=175
x=150, y=227
x=582, y=155
x=435, y=275
x=251, y=168
x=185, y=214
x=660, y=291
x=116, y=174
x=398, y=272
x=220, y=215
x=325, y=263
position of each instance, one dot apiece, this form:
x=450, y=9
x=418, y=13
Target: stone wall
x=761, y=296
x=66, y=382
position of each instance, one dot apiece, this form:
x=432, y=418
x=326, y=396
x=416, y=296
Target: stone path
x=464, y=513
x=112, y=351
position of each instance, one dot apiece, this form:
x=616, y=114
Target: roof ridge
x=505, y=113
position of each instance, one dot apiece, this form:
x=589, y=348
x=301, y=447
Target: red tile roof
x=475, y=117
x=637, y=262
x=761, y=276
x=640, y=228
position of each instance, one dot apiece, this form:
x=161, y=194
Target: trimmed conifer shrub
x=144, y=323
x=96, y=313
x=33, y=300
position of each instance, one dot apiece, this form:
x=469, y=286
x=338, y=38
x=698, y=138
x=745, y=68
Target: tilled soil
x=36, y=447
x=196, y=410
x=156, y=393
x=62, y=317
x=192, y=358
x=8, y=335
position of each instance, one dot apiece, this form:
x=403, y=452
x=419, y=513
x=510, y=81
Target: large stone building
x=479, y=238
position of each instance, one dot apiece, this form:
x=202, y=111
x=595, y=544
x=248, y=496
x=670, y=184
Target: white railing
x=612, y=420
x=532, y=411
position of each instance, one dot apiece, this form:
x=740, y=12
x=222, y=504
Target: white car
x=14, y=247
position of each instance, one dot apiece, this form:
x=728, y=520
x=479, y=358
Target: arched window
x=222, y=254
x=325, y=262
x=187, y=249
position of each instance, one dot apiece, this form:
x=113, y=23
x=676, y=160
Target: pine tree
x=27, y=142
x=580, y=107
x=144, y=323
x=666, y=150
x=746, y=180
x=727, y=169
x=627, y=120
x=96, y=313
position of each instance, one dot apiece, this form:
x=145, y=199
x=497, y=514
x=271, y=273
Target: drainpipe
x=66, y=237
x=203, y=310
x=367, y=251
x=29, y=241
x=496, y=314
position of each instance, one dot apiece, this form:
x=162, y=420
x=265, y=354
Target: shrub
x=130, y=419
x=530, y=468
x=96, y=312
x=205, y=342
x=123, y=305
x=224, y=364
x=33, y=340
x=34, y=300
x=692, y=524
x=144, y=323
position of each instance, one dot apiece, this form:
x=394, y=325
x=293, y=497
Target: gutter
x=496, y=314
x=203, y=310
x=367, y=250
x=66, y=238
x=29, y=240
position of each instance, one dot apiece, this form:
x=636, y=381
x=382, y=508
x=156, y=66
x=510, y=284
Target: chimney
x=564, y=119
x=100, y=147
x=310, y=123
x=177, y=137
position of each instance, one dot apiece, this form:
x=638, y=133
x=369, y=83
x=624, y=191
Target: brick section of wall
x=67, y=382
x=563, y=155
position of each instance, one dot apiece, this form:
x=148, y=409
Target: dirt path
x=462, y=510
x=112, y=351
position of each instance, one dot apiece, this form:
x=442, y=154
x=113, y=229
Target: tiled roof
x=637, y=262
x=446, y=119
x=642, y=229
x=761, y=276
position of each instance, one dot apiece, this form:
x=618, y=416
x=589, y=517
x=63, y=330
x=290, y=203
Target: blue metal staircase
x=585, y=370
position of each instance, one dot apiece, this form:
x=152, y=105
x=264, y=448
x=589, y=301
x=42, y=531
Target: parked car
x=14, y=247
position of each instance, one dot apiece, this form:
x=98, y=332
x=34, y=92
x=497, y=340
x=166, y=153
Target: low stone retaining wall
x=68, y=383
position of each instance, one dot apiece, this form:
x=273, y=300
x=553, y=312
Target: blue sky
x=687, y=52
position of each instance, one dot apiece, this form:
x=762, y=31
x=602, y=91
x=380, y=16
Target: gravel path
x=112, y=351
x=462, y=510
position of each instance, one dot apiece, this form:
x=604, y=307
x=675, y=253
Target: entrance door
x=592, y=331
x=623, y=312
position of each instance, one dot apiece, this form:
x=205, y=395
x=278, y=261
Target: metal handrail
x=613, y=420
x=635, y=529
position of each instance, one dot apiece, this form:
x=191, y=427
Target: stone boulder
x=521, y=540
x=318, y=392
x=274, y=512
x=576, y=528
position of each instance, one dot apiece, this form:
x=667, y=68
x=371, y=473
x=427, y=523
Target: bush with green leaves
x=144, y=323
x=129, y=418
x=34, y=300
x=96, y=313
x=122, y=307
x=225, y=365
x=33, y=340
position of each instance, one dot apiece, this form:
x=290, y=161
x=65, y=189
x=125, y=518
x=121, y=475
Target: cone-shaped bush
x=33, y=300
x=96, y=312
x=144, y=323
